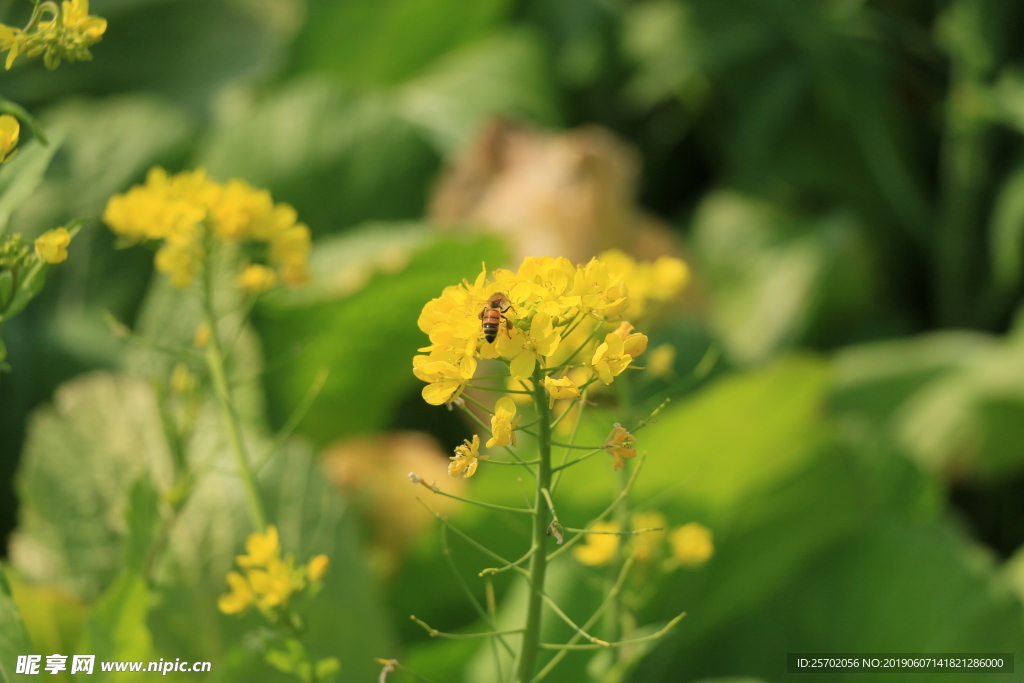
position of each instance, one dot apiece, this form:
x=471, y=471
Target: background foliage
x=845, y=177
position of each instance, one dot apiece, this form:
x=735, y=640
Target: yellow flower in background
x=619, y=445
x=610, y=358
x=256, y=279
x=466, y=458
x=66, y=35
x=274, y=585
x=189, y=212
x=661, y=360
x=52, y=246
x=182, y=380
x=269, y=581
x=659, y=281
x=10, y=129
x=261, y=548
x=560, y=388
x=692, y=544
x=647, y=543
x=503, y=423
x=598, y=548
x=202, y=336
x=240, y=597
x=318, y=567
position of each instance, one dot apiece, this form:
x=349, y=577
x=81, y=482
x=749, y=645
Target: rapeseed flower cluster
x=269, y=581
x=556, y=316
x=190, y=215
x=65, y=35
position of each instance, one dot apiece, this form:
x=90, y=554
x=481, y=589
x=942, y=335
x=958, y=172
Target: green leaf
x=142, y=520
x=20, y=176
x=383, y=43
x=82, y=456
x=13, y=638
x=502, y=76
x=1006, y=230
x=338, y=157
x=117, y=628
x=365, y=338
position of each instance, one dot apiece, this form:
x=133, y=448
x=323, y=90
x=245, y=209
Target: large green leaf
x=20, y=176
x=383, y=43
x=365, y=338
x=338, y=157
x=13, y=638
x=82, y=456
x=895, y=586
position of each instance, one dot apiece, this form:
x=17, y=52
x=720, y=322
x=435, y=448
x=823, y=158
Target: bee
x=492, y=315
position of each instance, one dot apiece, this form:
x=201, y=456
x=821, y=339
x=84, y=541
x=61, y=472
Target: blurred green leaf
x=338, y=157
x=774, y=277
x=54, y=618
x=504, y=75
x=366, y=338
x=1006, y=230
x=385, y=42
x=82, y=456
x=142, y=520
x=13, y=638
x=899, y=586
x=117, y=627
x=20, y=176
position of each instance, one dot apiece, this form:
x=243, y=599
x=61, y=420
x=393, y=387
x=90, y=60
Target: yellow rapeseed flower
x=648, y=542
x=610, y=358
x=187, y=211
x=503, y=423
x=598, y=548
x=619, y=445
x=661, y=360
x=317, y=567
x=261, y=549
x=52, y=245
x=10, y=129
x=692, y=544
x=256, y=279
x=466, y=458
x=560, y=388
x=525, y=348
x=240, y=597
x=274, y=585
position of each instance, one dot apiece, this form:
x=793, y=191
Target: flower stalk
x=218, y=376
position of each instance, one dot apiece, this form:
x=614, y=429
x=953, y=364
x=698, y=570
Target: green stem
x=538, y=562
x=619, y=613
x=215, y=362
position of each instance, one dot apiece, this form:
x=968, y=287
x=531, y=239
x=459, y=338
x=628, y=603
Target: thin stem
x=215, y=362
x=572, y=624
x=617, y=533
x=446, y=551
x=469, y=539
x=293, y=422
x=577, y=460
x=618, y=499
x=500, y=391
x=491, y=506
x=492, y=613
x=526, y=660
x=434, y=633
x=616, y=588
x=572, y=439
x=497, y=570
x=558, y=420
x=622, y=643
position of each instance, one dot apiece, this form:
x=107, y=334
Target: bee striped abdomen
x=491, y=320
